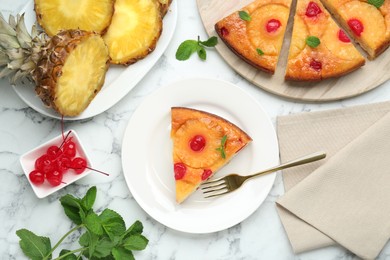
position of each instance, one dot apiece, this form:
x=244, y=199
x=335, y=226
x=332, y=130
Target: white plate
x=147, y=151
x=119, y=79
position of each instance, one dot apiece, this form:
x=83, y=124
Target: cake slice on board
x=319, y=49
x=256, y=32
x=202, y=144
x=368, y=22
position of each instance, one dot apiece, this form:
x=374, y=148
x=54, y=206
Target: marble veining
x=260, y=236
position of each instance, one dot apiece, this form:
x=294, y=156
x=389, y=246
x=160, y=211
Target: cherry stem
x=64, y=139
x=63, y=182
x=97, y=171
x=62, y=127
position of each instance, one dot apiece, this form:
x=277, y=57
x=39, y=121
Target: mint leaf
x=376, y=3
x=202, y=53
x=89, y=199
x=136, y=228
x=103, y=248
x=112, y=223
x=33, y=246
x=72, y=208
x=186, y=49
x=313, y=41
x=135, y=242
x=244, y=16
x=260, y=52
x=92, y=223
x=211, y=42
x=88, y=240
x=221, y=149
x=120, y=253
x=68, y=257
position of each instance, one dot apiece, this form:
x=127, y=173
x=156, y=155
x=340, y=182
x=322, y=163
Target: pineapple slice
x=66, y=78
x=208, y=155
x=88, y=15
x=135, y=28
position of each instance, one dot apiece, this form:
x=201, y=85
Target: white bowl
x=28, y=159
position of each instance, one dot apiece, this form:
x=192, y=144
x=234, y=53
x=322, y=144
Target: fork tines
x=214, y=188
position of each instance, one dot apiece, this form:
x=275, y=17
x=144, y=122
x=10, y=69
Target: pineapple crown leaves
x=19, y=50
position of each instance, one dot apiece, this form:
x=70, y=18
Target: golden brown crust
x=233, y=45
x=187, y=123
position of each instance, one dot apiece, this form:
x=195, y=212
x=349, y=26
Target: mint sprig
x=221, y=149
x=105, y=234
x=313, y=41
x=376, y=3
x=244, y=16
x=188, y=47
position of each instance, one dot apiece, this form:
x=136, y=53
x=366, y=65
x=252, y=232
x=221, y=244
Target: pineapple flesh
x=89, y=15
x=134, y=30
x=67, y=80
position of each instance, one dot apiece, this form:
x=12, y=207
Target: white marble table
x=260, y=236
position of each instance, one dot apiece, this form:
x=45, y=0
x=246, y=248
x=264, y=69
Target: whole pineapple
x=68, y=69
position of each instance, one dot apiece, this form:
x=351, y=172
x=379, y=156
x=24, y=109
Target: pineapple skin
x=49, y=67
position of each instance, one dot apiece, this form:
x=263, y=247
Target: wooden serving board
x=370, y=76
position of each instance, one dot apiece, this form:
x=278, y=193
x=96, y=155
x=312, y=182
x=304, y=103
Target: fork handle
x=302, y=160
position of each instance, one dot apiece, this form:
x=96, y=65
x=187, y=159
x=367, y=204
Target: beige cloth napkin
x=345, y=198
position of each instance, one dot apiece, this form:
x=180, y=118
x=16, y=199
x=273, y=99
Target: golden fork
x=232, y=182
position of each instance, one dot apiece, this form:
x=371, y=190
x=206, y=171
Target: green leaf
x=244, y=16
x=88, y=239
x=89, y=199
x=68, y=257
x=313, y=41
x=376, y=3
x=103, y=247
x=186, y=49
x=33, y=246
x=221, y=149
x=92, y=223
x=112, y=223
x=135, y=229
x=135, y=242
x=211, y=42
x=260, y=52
x=72, y=208
x=202, y=53
x=120, y=253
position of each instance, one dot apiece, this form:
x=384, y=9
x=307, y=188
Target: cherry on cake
x=255, y=33
x=319, y=48
x=202, y=144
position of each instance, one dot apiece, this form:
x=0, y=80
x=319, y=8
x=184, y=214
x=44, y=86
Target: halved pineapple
x=89, y=15
x=135, y=28
x=208, y=155
x=72, y=71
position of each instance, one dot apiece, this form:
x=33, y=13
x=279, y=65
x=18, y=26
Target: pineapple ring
x=205, y=158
